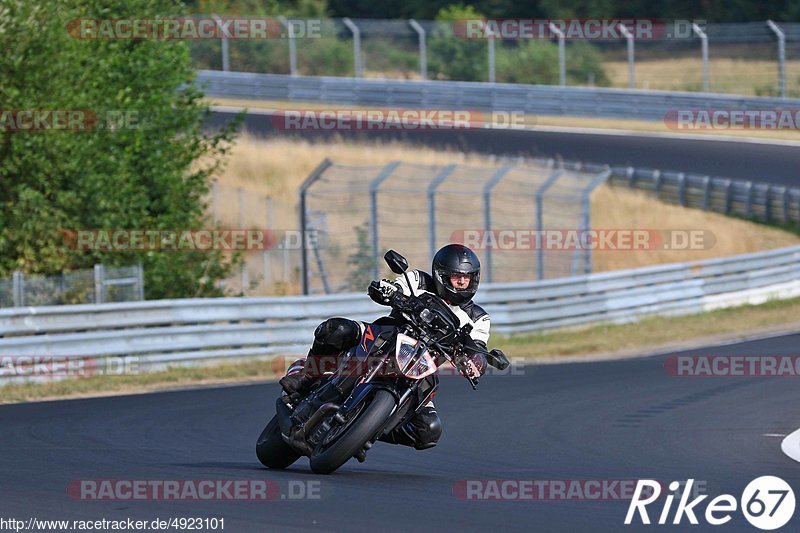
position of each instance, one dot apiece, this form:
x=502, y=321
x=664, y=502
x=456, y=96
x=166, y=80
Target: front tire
x=272, y=450
x=354, y=437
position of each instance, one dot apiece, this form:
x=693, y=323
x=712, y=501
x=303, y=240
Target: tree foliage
x=136, y=175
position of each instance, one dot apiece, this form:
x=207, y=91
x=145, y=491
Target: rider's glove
x=472, y=364
x=381, y=291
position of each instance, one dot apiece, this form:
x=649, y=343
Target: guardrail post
x=487, y=213
x=704, y=51
x=292, y=44
x=99, y=285
x=749, y=208
x=682, y=189
x=18, y=289
x=631, y=64
x=768, y=206
x=539, y=196
x=562, y=55
x=728, y=197
x=374, y=185
x=630, y=173
x=786, y=205
x=357, y=59
x=781, y=56
x=586, y=221
x=706, y=193
x=432, y=186
x=310, y=180
x=658, y=181
x=423, y=50
x=226, y=60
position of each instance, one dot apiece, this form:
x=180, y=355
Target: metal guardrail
x=753, y=200
x=195, y=330
x=508, y=97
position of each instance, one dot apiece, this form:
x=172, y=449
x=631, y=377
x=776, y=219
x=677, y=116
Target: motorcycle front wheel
x=329, y=457
x=272, y=450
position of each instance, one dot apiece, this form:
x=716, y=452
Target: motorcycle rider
x=455, y=276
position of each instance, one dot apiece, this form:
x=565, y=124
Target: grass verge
x=623, y=340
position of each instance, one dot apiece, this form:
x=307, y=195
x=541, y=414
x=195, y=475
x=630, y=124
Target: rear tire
x=272, y=450
x=360, y=431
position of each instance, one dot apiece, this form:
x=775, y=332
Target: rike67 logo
x=767, y=503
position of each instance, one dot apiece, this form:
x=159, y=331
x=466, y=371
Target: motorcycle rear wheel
x=361, y=430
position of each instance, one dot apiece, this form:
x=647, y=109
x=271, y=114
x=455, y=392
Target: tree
x=145, y=174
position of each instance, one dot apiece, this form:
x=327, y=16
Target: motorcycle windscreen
x=405, y=353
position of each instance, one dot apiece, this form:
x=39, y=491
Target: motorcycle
x=379, y=384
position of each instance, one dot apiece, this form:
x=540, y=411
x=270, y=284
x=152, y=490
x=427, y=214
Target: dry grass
x=616, y=207
x=736, y=76
x=278, y=167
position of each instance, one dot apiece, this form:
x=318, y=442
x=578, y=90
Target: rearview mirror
x=397, y=263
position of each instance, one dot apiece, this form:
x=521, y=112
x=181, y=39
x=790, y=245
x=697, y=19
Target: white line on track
x=791, y=445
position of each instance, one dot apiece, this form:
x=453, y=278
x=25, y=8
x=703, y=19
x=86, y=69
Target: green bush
x=143, y=175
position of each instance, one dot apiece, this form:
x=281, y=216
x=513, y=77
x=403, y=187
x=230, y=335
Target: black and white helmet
x=455, y=259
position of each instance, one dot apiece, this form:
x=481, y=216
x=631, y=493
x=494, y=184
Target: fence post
x=781, y=56
x=245, y=274
x=432, y=186
x=586, y=221
x=99, y=286
x=267, y=244
x=140, y=281
x=374, y=185
x=682, y=188
x=631, y=62
x=539, y=196
x=487, y=212
x=490, y=44
x=18, y=288
x=706, y=193
x=704, y=51
x=357, y=60
x=292, y=44
x=423, y=50
x=313, y=177
x=226, y=65
x=562, y=55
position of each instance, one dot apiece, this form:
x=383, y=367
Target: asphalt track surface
x=772, y=163
x=623, y=419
